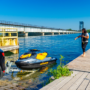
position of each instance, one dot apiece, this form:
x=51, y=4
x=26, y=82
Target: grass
x=60, y=71
x=88, y=30
x=8, y=53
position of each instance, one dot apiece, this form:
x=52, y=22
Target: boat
x=34, y=60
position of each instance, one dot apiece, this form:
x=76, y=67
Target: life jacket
x=84, y=39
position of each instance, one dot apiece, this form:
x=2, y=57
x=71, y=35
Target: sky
x=64, y=14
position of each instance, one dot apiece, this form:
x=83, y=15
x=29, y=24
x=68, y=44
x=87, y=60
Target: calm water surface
x=55, y=45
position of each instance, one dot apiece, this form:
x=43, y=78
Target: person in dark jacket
x=85, y=37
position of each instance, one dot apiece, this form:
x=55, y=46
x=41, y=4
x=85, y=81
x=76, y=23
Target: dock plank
x=74, y=79
x=78, y=82
x=55, y=82
x=88, y=87
x=81, y=63
x=83, y=85
x=88, y=78
x=60, y=84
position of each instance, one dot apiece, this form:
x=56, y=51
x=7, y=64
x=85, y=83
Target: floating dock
x=9, y=39
x=8, y=48
x=79, y=80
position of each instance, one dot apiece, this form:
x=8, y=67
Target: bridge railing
x=29, y=28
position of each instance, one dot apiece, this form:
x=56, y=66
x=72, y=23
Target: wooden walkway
x=81, y=63
x=79, y=80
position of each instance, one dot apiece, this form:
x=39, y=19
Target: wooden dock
x=79, y=80
x=8, y=48
x=81, y=63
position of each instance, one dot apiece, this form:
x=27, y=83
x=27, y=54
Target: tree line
x=88, y=30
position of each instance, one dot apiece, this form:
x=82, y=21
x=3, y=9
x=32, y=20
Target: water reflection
x=30, y=74
x=44, y=69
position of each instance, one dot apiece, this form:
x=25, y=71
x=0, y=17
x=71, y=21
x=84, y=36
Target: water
x=55, y=46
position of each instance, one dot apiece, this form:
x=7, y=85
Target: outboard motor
x=2, y=63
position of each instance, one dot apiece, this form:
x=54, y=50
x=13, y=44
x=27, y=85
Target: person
x=85, y=37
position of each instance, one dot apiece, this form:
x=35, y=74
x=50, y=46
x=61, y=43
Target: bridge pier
x=43, y=33
x=59, y=33
x=26, y=34
x=63, y=32
x=52, y=33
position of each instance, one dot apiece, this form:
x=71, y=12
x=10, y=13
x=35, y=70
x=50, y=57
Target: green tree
x=69, y=29
x=88, y=30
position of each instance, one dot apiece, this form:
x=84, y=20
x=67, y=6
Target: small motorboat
x=34, y=60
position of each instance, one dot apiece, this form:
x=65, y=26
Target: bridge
x=26, y=29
